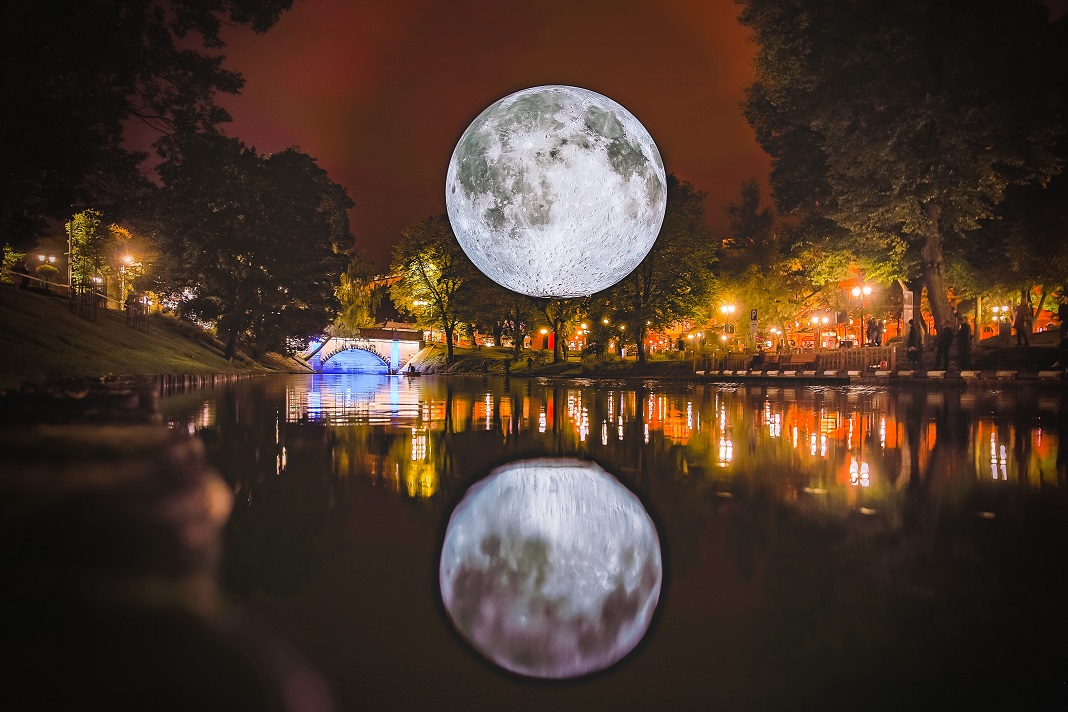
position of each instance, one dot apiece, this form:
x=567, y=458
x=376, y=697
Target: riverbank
x=993, y=366
x=494, y=361
x=44, y=343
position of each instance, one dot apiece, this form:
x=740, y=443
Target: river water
x=822, y=547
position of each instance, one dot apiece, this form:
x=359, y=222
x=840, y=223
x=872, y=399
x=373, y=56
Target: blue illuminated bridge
x=374, y=351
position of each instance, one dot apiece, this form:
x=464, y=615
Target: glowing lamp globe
x=551, y=568
x=556, y=191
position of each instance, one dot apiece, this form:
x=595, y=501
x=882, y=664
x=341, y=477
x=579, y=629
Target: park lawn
x=43, y=342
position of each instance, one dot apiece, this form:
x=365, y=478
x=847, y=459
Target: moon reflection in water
x=551, y=568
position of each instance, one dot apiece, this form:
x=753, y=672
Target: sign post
x=908, y=309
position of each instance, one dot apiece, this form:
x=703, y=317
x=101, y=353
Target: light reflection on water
x=835, y=441
x=905, y=536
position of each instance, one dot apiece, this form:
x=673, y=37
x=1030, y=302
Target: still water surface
x=823, y=547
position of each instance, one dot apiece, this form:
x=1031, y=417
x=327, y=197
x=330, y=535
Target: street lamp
x=862, y=294
x=127, y=261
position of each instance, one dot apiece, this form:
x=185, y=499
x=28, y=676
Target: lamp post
x=862, y=294
x=127, y=261
x=70, y=258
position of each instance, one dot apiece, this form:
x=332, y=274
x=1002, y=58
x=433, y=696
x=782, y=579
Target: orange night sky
x=379, y=92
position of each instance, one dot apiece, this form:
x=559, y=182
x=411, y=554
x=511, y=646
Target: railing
x=28, y=281
x=339, y=345
x=864, y=358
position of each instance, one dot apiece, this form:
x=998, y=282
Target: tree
x=432, y=268
x=904, y=121
x=492, y=309
x=254, y=244
x=1024, y=247
x=89, y=240
x=78, y=73
x=782, y=268
x=358, y=295
x=561, y=315
x=675, y=277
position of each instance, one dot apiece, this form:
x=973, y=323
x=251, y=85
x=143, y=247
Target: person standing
x=943, y=342
x=914, y=343
x=1062, y=315
x=1022, y=323
x=964, y=344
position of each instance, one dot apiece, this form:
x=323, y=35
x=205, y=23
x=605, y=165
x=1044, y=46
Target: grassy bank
x=491, y=360
x=44, y=342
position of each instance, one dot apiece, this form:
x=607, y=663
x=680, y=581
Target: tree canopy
x=253, y=243
x=905, y=122
x=77, y=73
x=432, y=268
x=675, y=278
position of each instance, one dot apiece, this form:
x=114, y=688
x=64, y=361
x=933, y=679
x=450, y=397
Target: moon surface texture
x=556, y=191
x=551, y=568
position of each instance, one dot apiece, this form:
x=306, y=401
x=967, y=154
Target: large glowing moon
x=556, y=191
x=551, y=568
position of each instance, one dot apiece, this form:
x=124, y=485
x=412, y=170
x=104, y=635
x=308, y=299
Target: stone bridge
x=379, y=351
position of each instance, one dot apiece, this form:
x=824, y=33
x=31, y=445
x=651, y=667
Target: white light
x=556, y=191
x=536, y=554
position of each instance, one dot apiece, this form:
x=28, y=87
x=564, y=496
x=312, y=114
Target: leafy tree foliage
x=254, y=244
x=77, y=72
x=904, y=122
x=11, y=262
x=784, y=268
x=432, y=268
x=89, y=240
x=675, y=277
x=358, y=295
x=562, y=316
x=489, y=308
x=1025, y=247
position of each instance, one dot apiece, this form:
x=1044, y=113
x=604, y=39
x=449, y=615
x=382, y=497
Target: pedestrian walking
x=1022, y=323
x=873, y=331
x=964, y=344
x=880, y=327
x=943, y=342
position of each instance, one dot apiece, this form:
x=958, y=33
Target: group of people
x=875, y=332
x=961, y=334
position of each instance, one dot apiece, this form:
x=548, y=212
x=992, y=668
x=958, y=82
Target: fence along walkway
x=864, y=358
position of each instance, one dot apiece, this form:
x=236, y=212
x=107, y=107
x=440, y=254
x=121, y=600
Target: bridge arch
x=355, y=360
